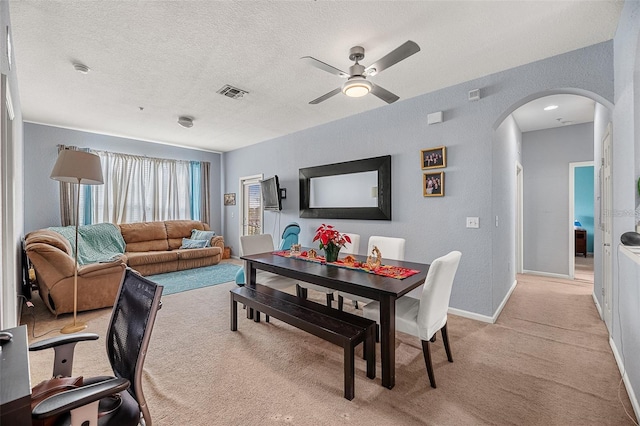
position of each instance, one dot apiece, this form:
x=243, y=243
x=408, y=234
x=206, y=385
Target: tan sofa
x=151, y=248
x=154, y=247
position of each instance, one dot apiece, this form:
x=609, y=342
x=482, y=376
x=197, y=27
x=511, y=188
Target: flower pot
x=331, y=252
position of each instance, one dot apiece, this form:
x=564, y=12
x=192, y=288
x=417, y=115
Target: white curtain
x=140, y=189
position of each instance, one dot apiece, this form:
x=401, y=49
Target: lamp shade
x=77, y=167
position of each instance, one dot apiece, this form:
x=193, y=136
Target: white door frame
x=241, y=216
x=519, y=219
x=572, y=209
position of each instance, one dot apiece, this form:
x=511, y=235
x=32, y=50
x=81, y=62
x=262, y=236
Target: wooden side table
x=581, y=242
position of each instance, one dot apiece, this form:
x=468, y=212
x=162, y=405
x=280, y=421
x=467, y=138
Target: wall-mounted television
x=271, y=197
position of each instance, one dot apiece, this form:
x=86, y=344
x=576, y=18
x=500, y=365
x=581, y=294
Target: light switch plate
x=473, y=222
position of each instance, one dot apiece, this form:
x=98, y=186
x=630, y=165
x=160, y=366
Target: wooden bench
x=341, y=328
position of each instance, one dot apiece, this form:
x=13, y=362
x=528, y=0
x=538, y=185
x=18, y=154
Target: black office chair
x=121, y=400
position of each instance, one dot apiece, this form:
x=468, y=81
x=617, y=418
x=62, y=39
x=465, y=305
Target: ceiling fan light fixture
x=356, y=87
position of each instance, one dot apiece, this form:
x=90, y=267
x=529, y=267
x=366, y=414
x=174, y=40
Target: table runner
x=390, y=271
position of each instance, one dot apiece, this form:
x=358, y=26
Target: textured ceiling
x=170, y=57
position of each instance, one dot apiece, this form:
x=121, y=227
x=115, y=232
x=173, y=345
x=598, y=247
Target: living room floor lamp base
x=77, y=167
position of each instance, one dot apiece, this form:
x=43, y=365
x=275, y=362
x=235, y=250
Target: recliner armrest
x=75, y=398
x=218, y=241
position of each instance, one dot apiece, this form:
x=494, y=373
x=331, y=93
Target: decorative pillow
x=197, y=234
x=188, y=243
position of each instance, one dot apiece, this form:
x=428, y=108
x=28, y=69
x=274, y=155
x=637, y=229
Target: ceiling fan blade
x=326, y=96
x=384, y=94
x=393, y=57
x=325, y=67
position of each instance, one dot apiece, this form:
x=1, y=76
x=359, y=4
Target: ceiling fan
x=357, y=84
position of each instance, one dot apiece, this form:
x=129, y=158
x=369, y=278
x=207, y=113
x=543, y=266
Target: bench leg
x=370, y=353
x=329, y=299
x=349, y=367
x=256, y=316
x=234, y=314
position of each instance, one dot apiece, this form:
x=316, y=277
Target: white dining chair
x=425, y=316
x=390, y=248
x=349, y=248
x=254, y=244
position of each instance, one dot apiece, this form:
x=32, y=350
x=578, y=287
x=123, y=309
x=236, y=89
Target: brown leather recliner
x=53, y=262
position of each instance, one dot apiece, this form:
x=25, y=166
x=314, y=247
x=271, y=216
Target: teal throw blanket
x=101, y=242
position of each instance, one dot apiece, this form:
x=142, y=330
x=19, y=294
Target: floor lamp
x=77, y=167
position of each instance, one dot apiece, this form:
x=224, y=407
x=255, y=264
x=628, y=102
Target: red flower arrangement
x=328, y=235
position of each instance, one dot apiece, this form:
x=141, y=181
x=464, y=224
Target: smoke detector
x=185, y=121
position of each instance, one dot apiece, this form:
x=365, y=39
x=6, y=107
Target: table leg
x=388, y=340
x=250, y=280
x=234, y=314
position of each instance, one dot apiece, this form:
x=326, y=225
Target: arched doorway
x=508, y=133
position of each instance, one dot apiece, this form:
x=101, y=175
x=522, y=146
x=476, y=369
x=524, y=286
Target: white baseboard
x=470, y=315
x=595, y=302
x=547, y=274
x=625, y=378
x=485, y=318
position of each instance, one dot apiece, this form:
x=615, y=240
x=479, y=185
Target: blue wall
x=583, y=201
x=478, y=178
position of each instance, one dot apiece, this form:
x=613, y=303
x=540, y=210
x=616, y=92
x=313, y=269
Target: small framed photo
x=433, y=184
x=230, y=199
x=433, y=158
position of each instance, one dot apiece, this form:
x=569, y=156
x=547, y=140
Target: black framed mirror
x=359, y=189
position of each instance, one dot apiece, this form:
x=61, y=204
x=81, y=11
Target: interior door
x=251, y=206
x=607, y=219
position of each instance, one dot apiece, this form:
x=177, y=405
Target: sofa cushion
x=144, y=258
x=179, y=229
x=188, y=243
x=198, y=253
x=145, y=236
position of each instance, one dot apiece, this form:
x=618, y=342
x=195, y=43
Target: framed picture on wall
x=433, y=158
x=230, y=199
x=433, y=184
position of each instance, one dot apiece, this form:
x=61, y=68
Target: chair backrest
x=252, y=244
x=390, y=247
x=434, y=303
x=354, y=246
x=289, y=236
x=129, y=332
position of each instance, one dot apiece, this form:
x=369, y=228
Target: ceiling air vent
x=232, y=92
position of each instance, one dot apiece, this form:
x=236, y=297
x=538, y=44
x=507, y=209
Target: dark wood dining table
x=384, y=289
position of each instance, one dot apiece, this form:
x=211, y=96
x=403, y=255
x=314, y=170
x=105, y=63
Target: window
x=140, y=189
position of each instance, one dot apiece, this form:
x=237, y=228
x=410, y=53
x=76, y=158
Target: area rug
x=179, y=281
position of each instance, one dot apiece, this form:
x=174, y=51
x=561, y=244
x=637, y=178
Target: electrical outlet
x=473, y=222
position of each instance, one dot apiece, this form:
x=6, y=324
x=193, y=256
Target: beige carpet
x=545, y=362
